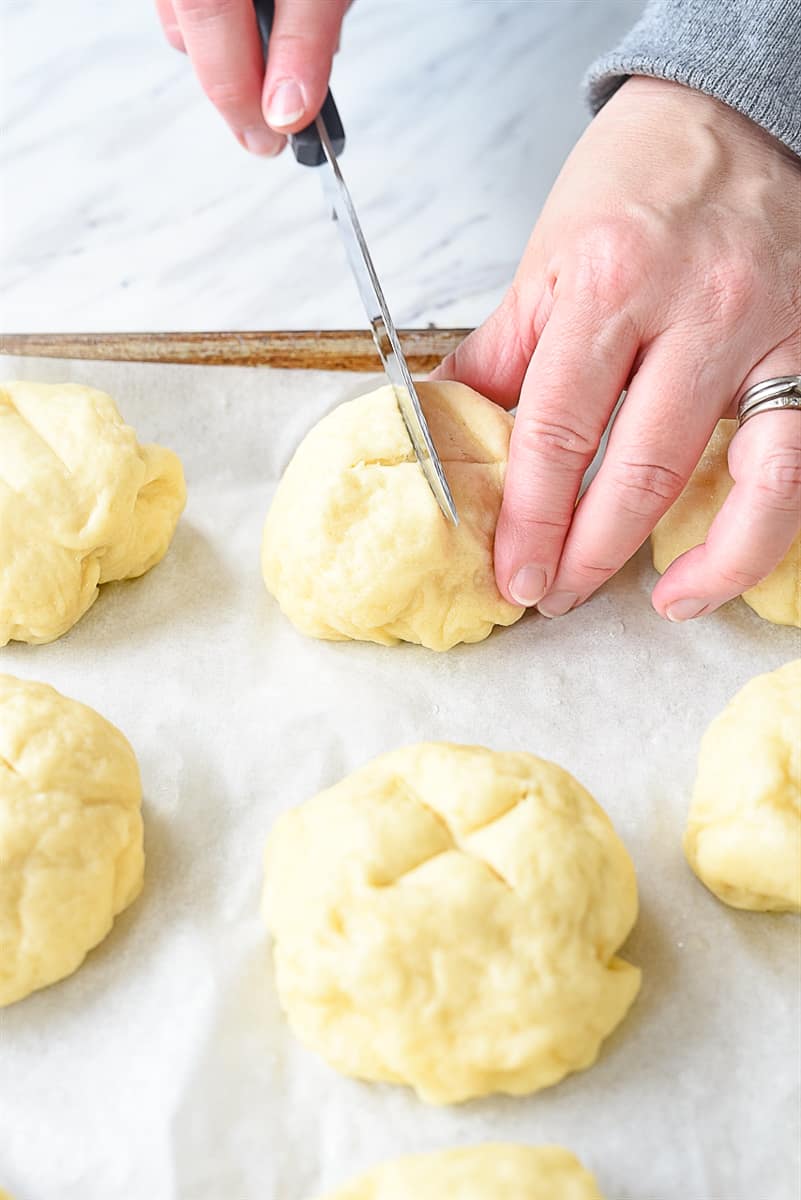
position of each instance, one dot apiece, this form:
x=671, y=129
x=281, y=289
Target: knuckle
x=286, y=41
x=227, y=95
x=779, y=482
x=198, y=11
x=527, y=519
x=739, y=579
x=543, y=535
x=554, y=439
x=730, y=285
x=525, y=514
x=643, y=488
x=608, y=257
x=593, y=573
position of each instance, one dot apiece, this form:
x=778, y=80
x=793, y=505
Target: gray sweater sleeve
x=746, y=53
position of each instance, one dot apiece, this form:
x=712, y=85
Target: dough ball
x=686, y=524
x=743, y=837
x=447, y=917
x=493, y=1172
x=355, y=545
x=70, y=834
x=81, y=503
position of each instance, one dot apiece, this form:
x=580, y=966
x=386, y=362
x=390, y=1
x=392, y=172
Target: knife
x=318, y=145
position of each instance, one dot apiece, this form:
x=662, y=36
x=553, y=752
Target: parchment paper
x=163, y=1068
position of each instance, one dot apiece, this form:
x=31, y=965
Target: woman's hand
x=222, y=41
x=667, y=261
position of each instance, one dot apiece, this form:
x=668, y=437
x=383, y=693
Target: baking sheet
x=163, y=1069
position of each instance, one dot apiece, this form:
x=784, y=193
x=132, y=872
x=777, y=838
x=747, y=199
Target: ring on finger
x=782, y=392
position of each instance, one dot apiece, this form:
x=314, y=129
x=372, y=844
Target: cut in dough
x=81, y=503
x=492, y=1172
x=686, y=524
x=70, y=834
x=355, y=545
x=447, y=917
x=743, y=837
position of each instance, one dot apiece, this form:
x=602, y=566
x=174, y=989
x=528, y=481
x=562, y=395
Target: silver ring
x=782, y=392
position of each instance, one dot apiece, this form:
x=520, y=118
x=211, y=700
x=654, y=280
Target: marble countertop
x=126, y=204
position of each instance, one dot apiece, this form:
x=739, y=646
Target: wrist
x=672, y=104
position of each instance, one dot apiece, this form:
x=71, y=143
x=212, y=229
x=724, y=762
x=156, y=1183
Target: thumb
x=303, y=41
x=494, y=358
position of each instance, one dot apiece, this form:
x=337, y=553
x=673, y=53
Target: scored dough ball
x=743, y=837
x=355, y=545
x=70, y=834
x=686, y=524
x=81, y=504
x=447, y=917
x=491, y=1172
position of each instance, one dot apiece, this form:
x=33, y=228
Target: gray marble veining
x=127, y=205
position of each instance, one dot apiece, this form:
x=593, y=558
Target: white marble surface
x=127, y=205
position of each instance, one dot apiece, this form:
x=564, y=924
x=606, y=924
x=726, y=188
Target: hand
x=667, y=260
x=222, y=41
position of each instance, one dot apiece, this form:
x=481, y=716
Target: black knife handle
x=306, y=145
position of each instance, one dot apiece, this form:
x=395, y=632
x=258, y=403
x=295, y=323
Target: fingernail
x=528, y=585
x=685, y=610
x=557, y=604
x=287, y=104
x=259, y=140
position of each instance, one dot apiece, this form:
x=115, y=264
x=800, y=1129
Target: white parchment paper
x=163, y=1068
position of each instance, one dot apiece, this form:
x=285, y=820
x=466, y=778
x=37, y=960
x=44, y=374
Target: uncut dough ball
x=71, y=853
x=743, y=837
x=447, y=917
x=81, y=504
x=687, y=522
x=354, y=544
x=491, y=1172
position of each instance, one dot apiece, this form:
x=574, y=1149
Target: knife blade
x=385, y=334
x=318, y=145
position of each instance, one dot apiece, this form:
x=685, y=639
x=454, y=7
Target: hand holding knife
x=318, y=145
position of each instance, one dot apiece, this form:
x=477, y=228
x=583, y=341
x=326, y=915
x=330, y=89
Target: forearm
x=746, y=53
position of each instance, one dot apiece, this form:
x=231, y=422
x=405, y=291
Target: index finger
x=577, y=372
x=303, y=42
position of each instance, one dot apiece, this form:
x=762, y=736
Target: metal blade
x=384, y=333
